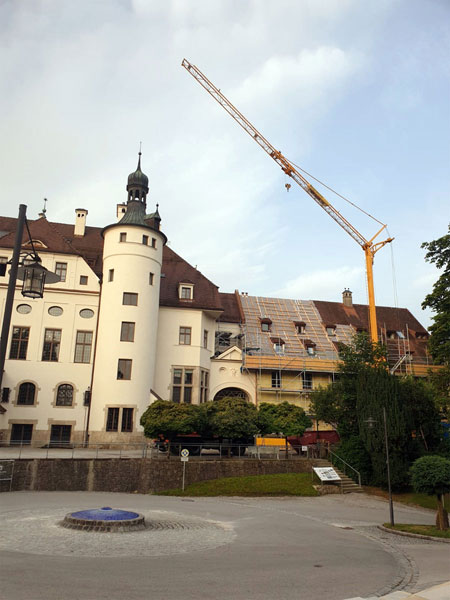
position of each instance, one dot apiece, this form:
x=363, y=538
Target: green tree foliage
x=418, y=396
x=233, y=418
x=438, y=253
x=284, y=418
x=364, y=386
x=431, y=475
x=354, y=452
x=377, y=389
x=167, y=419
x=336, y=404
x=440, y=383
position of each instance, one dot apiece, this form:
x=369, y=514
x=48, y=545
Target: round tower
x=128, y=318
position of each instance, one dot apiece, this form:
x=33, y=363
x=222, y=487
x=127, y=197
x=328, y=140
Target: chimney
x=80, y=222
x=347, y=297
x=121, y=210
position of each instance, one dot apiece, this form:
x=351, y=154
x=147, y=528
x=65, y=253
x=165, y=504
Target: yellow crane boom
x=368, y=246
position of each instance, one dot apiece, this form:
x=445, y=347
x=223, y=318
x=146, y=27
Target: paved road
x=212, y=548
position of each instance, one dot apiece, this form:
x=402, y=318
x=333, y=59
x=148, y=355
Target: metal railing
x=148, y=449
x=21, y=449
x=336, y=456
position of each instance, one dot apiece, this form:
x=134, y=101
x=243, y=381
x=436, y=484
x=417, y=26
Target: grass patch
x=420, y=529
x=280, y=484
x=411, y=498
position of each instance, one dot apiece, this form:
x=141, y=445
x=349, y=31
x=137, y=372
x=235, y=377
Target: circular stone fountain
x=104, y=519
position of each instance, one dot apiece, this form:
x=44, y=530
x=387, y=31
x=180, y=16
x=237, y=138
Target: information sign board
x=326, y=474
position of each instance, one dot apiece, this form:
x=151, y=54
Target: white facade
x=64, y=378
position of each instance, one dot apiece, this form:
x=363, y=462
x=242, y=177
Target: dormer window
x=35, y=243
x=331, y=329
x=300, y=327
x=278, y=345
x=310, y=347
x=266, y=324
x=185, y=291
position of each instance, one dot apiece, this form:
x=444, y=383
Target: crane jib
x=368, y=246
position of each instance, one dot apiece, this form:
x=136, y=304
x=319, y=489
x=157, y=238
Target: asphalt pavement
x=214, y=548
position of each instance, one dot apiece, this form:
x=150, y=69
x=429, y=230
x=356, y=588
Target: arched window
x=27, y=392
x=231, y=392
x=64, y=395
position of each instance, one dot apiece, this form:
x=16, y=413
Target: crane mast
x=368, y=246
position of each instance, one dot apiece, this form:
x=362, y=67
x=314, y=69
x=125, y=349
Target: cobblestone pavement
x=213, y=548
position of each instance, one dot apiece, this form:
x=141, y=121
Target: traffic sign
x=185, y=453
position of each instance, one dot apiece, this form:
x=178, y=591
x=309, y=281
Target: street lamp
x=371, y=422
x=34, y=276
x=31, y=272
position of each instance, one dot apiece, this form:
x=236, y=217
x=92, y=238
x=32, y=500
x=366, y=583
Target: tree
x=440, y=384
x=167, y=419
x=378, y=390
x=285, y=419
x=438, y=253
x=233, y=418
x=336, y=404
x=419, y=398
x=431, y=475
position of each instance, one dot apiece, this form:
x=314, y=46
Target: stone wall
x=135, y=474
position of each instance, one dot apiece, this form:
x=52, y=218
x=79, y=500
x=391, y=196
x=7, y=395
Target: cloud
x=322, y=284
x=305, y=78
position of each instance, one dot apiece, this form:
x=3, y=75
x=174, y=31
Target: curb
x=414, y=535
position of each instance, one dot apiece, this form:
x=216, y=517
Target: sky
x=356, y=92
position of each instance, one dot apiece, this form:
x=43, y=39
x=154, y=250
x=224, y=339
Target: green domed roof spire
x=137, y=186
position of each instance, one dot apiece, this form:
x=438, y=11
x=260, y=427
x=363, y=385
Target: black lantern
x=34, y=277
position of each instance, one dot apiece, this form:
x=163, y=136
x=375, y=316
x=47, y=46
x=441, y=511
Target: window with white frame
x=83, y=347
x=185, y=336
x=307, y=380
x=185, y=291
x=52, y=342
x=276, y=379
x=61, y=270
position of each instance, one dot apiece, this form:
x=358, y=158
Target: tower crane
x=369, y=247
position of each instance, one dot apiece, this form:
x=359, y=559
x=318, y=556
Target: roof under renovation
x=292, y=331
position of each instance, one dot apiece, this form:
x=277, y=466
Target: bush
x=431, y=475
x=355, y=454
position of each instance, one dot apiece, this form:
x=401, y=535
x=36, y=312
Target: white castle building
x=130, y=322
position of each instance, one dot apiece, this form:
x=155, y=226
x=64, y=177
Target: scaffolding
x=295, y=343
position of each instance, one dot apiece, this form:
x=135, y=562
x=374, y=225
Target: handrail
x=346, y=463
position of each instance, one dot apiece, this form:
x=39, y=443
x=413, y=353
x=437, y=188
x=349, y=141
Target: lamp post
x=33, y=275
x=371, y=421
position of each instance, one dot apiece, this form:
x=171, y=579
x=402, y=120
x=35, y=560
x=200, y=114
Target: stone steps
x=348, y=485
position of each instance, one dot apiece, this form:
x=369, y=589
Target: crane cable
x=337, y=193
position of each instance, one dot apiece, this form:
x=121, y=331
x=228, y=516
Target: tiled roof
x=231, y=308
x=388, y=318
x=59, y=238
x=283, y=316
x=176, y=270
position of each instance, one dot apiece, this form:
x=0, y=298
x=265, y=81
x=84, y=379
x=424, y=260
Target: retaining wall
x=141, y=475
